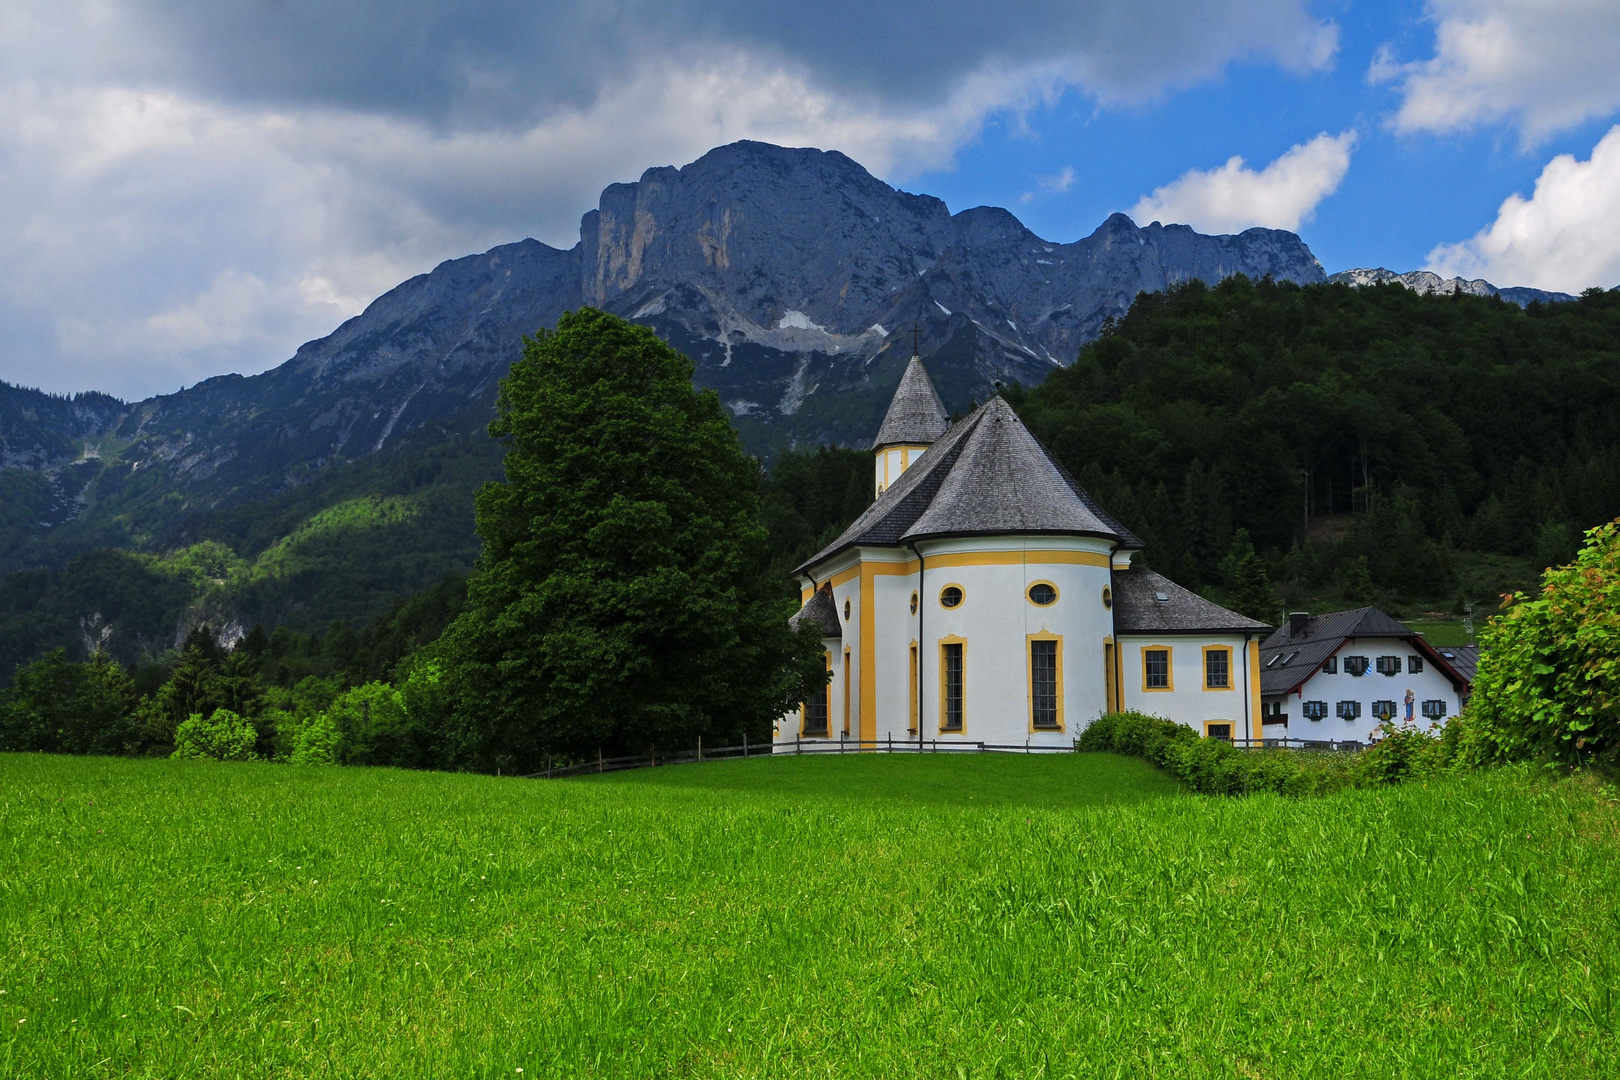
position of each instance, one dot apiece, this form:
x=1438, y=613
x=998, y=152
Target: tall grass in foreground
x=1072, y=916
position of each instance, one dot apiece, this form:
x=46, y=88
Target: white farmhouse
x=1335, y=677
x=985, y=597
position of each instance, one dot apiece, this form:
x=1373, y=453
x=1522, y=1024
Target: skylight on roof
x=1163, y=598
x=1274, y=658
x=1289, y=659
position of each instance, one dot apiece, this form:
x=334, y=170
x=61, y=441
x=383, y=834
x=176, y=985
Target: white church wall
x=994, y=624
x=1429, y=684
x=1188, y=699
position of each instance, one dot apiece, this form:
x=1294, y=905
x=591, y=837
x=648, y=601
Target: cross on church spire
x=916, y=334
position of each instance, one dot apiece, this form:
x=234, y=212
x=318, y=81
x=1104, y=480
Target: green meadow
x=861, y=916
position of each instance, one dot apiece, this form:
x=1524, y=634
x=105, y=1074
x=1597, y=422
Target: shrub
x=1548, y=684
x=370, y=725
x=313, y=741
x=223, y=736
x=1215, y=766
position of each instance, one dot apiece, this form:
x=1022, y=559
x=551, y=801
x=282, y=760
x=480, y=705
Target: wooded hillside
x=1334, y=423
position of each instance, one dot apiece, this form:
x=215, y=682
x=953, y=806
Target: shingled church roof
x=916, y=415
x=1149, y=603
x=821, y=611
x=985, y=476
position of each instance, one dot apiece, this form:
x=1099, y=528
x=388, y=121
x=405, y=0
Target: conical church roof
x=987, y=475
x=916, y=416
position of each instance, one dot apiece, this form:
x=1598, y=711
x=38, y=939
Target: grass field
x=860, y=916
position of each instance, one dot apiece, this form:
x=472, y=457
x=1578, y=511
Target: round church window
x=846, y=611
x=1042, y=593
x=914, y=601
x=1108, y=597
x=950, y=596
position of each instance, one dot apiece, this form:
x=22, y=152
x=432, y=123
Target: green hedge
x=1216, y=767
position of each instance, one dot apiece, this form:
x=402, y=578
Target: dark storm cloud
x=509, y=63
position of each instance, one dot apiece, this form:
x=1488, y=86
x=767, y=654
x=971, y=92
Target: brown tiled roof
x=1138, y=609
x=916, y=415
x=987, y=475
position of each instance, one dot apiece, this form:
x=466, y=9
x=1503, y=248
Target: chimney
x=1296, y=622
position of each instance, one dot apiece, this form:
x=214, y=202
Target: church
x=985, y=597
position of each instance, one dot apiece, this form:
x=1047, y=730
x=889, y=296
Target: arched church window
x=951, y=596
x=1042, y=593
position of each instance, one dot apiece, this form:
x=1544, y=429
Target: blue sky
x=196, y=187
x=1404, y=193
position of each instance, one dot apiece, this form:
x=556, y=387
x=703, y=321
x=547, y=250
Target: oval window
x=1041, y=593
x=950, y=596
x=846, y=611
x=1108, y=597
x=914, y=602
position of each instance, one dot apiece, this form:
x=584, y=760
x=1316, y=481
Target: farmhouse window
x=1384, y=710
x=1314, y=710
x=1355, y=665
x=1156, y=669
x=952, y=711
x=1218, y=669
x=1330, y=666
x=1043, y=684
x=1414, y=665
x=1434, y=709
x=1389, y=665
x=1349, y=710
x=1218, y=729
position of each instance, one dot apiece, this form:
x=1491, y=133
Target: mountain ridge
x=782, y=273
x=1427, y=282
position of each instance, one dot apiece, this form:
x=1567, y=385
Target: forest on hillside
x=1371, y=443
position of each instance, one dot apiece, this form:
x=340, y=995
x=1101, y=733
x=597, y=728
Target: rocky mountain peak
x=1426, y=282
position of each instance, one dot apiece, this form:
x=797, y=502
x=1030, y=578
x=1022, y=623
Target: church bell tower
x=916, y=418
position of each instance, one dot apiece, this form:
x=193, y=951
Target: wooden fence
x=655, y=759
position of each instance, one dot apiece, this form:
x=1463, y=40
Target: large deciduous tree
x=623, y=600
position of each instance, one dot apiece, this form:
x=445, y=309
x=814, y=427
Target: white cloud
x=1566, y=236
x=1543, y=65
x=199, y=187
x=1055, y=184
x=1234, y=197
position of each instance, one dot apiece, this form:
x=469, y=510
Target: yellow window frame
x=1231, y=669
x=804, y=706
x=944, y=641
x=1169, y=669
x=846, y=689
x=916, y=684
x=1029, y=678
x=1231, y=725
